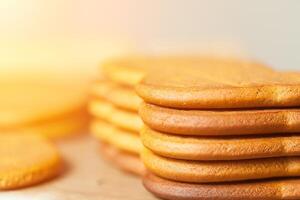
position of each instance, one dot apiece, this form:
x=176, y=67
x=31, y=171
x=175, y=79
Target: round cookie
x=121, y=118
x=26, y=159
x=220, y=83
x=101, y=109
x=124, y=140
x=268, y=189
x=29, y=103
x=120, y=96
x=126, y=161
x=225, y=122
x=219, y=148
x=220, y=171
x=57, y=128
x=100, y=88
x=131, y=70
x=126, y=71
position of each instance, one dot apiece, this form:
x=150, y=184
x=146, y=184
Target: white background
x=78, y=34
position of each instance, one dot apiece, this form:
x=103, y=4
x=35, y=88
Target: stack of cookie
x=115, y=109
x=115, y=105
x=221, y=130
x=50, y=107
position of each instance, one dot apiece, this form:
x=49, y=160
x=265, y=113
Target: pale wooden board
x=87, y=177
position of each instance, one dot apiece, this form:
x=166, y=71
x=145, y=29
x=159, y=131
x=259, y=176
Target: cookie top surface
x=220, y=83
x=26, y=159
x=274, y=189
x=220, y=148
x=25, y=103
x=221, y=122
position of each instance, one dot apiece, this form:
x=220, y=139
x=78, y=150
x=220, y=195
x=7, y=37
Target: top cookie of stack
x=218, y=121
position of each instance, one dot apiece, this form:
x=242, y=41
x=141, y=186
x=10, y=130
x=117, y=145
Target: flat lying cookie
x=59, y=128
x=24, y=104
x=267, y=190
x=120, y=96
x=131, y=70
x=201, y=122
x=126, y=71
x=121, y=118
x=220, y=83
x=219, y=148
x=126, y=161
x=220, y=171
x=26, y=159
x=122, y=139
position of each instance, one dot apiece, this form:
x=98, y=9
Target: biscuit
x=126, y=161
x=126, y=71
x=26, y=159
x=226, y=122
x=101, y=109
x=131, y=70
x=220, y=171
x=220, y=83
x=121, y=118
x=120, y=96
x=100, y=88
x=122, y=139
x=219, y=148
x=58, y=128
x=24, y=104
x=274, y=189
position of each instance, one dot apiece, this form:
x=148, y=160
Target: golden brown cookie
x=119, y=117
x=226, y=122
x=122, y=139
x=25, y=104
x=220, y=171
x=275, y=189
x=220, y=83
x=126, y=161
x=120, y=96
x=26, y=159
x=220, y=148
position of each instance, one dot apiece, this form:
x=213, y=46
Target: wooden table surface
x=87, y=177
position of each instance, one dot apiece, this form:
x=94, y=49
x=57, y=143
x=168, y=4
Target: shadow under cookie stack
x=221, y=129
x=114, y=106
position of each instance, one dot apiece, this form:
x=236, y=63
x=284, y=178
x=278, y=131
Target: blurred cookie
x=60, y=128
x=26, y=159
x=116, y=116
x=126, y=161
x=26, y=104
x=120, y=96
x=122, y=139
